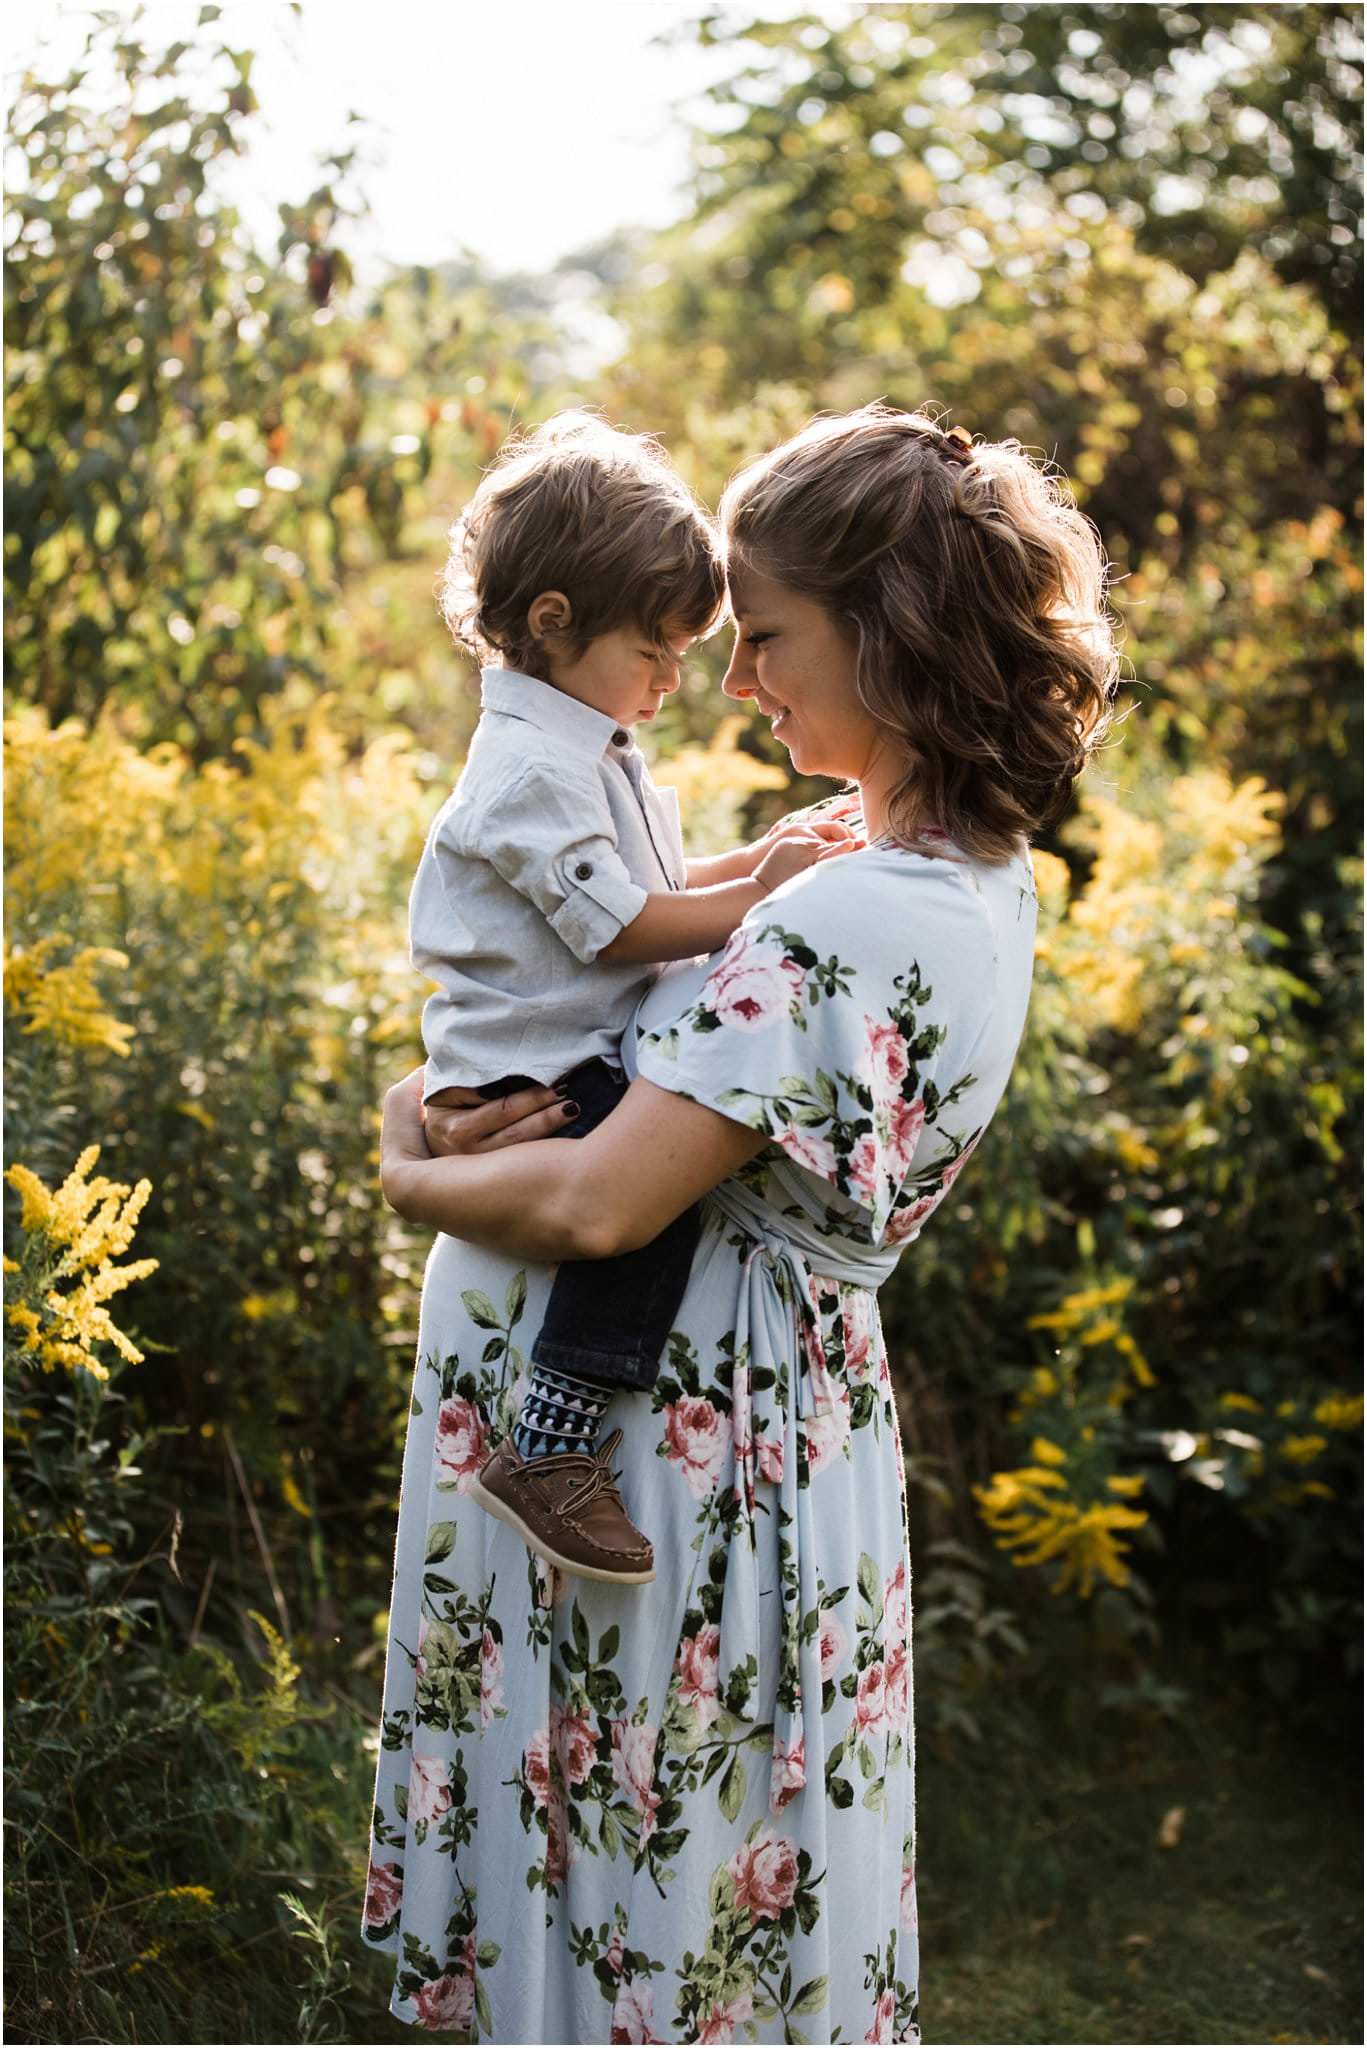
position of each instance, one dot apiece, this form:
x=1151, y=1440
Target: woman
x=684, y=1812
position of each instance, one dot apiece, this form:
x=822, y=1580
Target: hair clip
x=957, y=445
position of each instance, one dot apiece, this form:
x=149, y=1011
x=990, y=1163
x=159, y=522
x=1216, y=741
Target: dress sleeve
x=825, y=1020
x=552, y=838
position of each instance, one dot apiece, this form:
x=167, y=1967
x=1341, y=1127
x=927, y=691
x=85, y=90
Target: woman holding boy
x=681, y=1808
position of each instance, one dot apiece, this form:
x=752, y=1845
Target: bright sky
x=518, y=129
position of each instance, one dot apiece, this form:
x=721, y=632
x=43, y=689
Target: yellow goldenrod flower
x=1338, y=1411
x=1302, y=1449
x=76, y=1231
x=1045, y=1452
x=1244, y=1401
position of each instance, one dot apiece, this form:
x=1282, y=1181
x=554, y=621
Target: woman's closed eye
x=756, y=639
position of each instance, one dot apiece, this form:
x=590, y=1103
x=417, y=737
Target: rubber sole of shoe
x=492, y=1505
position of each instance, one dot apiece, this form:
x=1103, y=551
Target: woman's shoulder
x=878, y=890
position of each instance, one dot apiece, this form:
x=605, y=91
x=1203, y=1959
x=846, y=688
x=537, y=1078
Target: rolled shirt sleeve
x=551, y=837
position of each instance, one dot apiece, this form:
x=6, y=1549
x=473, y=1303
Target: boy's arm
x=707, y=871
x=676, y=924
x=684, y=922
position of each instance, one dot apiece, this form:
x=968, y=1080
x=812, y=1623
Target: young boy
x=552, y=885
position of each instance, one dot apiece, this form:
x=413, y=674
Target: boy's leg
x=608, y=1320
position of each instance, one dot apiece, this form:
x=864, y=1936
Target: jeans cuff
x=626, y=1369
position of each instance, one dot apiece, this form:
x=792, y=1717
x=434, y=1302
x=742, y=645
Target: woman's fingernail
x=570, y=1108
x=561, y=1087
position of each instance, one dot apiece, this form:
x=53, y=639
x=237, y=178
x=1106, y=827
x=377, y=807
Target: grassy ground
x=1052, y=1911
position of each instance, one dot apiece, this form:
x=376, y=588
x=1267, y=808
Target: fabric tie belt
x=780, y=1379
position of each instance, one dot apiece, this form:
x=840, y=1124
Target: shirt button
x=620, y=738
x=583, y=871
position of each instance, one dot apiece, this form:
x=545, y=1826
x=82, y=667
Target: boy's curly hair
x=976, y=592
x=602, y=516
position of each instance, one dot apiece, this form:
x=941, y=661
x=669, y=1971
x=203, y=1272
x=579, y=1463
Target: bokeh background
x=243, y=403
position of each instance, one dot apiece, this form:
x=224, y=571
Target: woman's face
x=798, y=663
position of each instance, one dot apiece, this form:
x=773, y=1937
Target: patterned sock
x=560, y=1413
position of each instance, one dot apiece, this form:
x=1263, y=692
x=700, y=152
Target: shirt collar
x=550, y=710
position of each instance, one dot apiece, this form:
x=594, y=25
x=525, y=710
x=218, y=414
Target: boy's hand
x=834, y=831
x=796, y=850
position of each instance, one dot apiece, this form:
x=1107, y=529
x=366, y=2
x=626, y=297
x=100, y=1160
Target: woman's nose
x=738, y=681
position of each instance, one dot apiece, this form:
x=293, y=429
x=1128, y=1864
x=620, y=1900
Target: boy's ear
x=549, y=612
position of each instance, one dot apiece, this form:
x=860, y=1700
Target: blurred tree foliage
x=1129, y=237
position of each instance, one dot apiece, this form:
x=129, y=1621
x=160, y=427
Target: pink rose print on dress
x=383, y=1893
x=870, y=1699
x=697, y=1668
x=769, y=1459
x=573, y=1743
x=694, y=1443
x=634, y=2013
x=721, y=2022
x=429, y=1788
x=834, y=1646
x=908, y=1915
x=788, y=1774
x=460, y=1443
x=904, y=1223
x=863, y=1169
x=490, y=1679
x=615, y=1952
x=906, y=1121
x=896, y=1606
x=897, y=1690
x=816, y=1154
x=828, y=1431
x=765, y=1875
x=857, y=1345
x=956, y=1167
x=887, y=1056
x=557, y=1843
x=449, y=2002
x=536, y=1767
x=753, y=984
x=633, y=1768
x=884, y=2017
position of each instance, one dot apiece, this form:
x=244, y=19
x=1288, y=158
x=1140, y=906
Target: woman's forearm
x=530, y=1201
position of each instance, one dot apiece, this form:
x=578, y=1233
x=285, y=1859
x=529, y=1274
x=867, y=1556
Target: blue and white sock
x=559, y=1413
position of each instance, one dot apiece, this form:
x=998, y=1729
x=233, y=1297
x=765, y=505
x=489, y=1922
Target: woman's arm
x=571, y=1198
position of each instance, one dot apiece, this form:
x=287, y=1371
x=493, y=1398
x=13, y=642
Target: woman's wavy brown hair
x=976, y=591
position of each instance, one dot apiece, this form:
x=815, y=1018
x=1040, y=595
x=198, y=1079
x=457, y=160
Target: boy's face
x=619, y=673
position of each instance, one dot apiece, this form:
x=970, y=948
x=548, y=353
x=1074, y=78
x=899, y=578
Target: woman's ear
x=549, y=612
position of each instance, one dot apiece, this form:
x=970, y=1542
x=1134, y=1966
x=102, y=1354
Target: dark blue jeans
x=608, y=1320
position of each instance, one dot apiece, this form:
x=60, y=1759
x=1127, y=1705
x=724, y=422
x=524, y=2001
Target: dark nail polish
x=571, y=1109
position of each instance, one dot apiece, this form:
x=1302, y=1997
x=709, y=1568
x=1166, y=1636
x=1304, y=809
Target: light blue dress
x=685, y=1811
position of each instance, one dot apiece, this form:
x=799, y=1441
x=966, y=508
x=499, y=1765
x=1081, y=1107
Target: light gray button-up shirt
x=549, y=844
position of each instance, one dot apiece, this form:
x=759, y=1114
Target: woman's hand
x=460, y=1120
x=411, y=1136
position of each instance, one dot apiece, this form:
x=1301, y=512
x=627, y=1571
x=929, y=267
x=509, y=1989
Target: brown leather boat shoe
x=567, y=1509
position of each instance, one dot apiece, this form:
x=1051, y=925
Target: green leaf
x=868, y=1581
x=441, y=1541
x=731, y=1797
x=811, y=1997
x=480, y=1309
x=516, y=1298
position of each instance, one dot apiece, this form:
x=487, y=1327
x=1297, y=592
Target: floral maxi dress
x=685, y=1811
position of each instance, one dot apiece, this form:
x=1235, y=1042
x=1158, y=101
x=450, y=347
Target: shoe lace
x=600, y=1480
